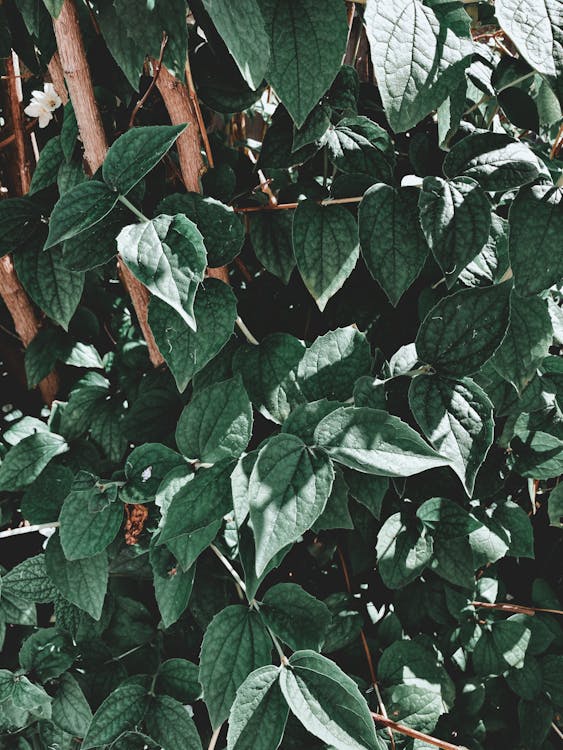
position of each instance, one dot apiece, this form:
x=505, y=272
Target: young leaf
x=374, y=442
x=172, y=587
x=234, y=645
x=536, y=224
x=463, y=331
x=288, y=490
x=121, y=710
x=391, y=239
x=497, y=161
x=25, y=461
x=403, y=552
x=167, y=255
x=358, y=146
x=79, y=209
x=259, y=714
x=169, y=723
x=82, y=582
x=295, y=616
x=89, y=522
x=203, y=500
x=455, y=217
x=325, y=243
x=71, y=711
x=417, y=60
x=269, y=372
x=332, y=364
x=51, y=285
x=457, y=418
x=217, y=423
x=135, y=153
x=327, y=702
x=187, y=351
x=270, y=234
x=307, y=42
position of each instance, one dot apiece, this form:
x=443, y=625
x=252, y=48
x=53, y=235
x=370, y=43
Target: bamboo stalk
x=77, y=75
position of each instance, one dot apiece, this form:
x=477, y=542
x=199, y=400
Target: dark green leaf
x=402, y=551
x=295, y=616
x=259, y=714
x=121, y=710
x=270, y=234
x=79, y=209
x=26, y=460
x=71, y=711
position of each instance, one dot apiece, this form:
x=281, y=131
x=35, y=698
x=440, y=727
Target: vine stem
x=28, y=529
x=518, y=608
x=133, y=209
x=289, y=206
x=402, y=729
x=214, y=738
x=238, y=580
x=156, y=72
x=248, y=335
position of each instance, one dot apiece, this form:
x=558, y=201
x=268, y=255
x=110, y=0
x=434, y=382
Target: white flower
x=43, y=104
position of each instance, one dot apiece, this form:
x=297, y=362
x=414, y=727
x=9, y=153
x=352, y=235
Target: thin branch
x=247, y=334
x=11, y=138
x=214, y=738
x=402, y=729
x=557, y=144
x=517, y=608
x=197, y=108
x=156, y=72
x=290, y=206
x=27, y=529
x=556, y=729
x=229, y=567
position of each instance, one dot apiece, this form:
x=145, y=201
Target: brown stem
x=24, y=174
x=141, y=103
x=402, y=729
x=81, y=90
x=183, y=108
x=515, y=608
x=25, y=320
x=57, y=76
x=197, y=108
x=11, y=138
x=290, y=206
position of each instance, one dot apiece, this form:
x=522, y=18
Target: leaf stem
x=290, y=206
x=214, y=738
x=28, y=529
x=402, y=729
x=248, y=335
x=133, y=209
x=519, y=608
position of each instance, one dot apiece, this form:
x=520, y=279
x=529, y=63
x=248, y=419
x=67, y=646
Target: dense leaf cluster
x=339, y=495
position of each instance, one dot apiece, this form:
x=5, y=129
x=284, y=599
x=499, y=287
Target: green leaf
x=259, y=714
x=367, y=489
x=20, y=219
x=457, y=418
x=172, y=587
x=463, y=331
x=391, y=239
x=526, y=681
x=82, y=582
x=270, y=234
x=417, y=688
x=89, y=522
x=314, y=129
x=217, y=423
x=304, y=418
x=417, y=60
x=167, y=255
x=446, y=519
x=29, y=580
x=295, y=616
x=121, y=710
x=135, y=153
x=374, y=442
x=536, y=223
x=535, y=29
x=79, y=209
x=242, y=29
x=187, y=351
x=307, y=43
x=269, y=372
x=50, y=160
x=526, y=343
x=452, y=560
x=55, y=289
x=179, y=679
x=455, y=217
x=327, y=702
x=203, y=500
x=555, y=506
x=497, y=161
x=71, y=711
x=356, y=145
x=221, y=228
x=517, y=525
x=402, y=551
x=489, y=542
x=325, y=243
x=288, y=490
x=551, y=666
x=25, y=461
x=332, y=364
x=169, y=723
x=234, y=645
x=536, y=721
x=502, y=646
